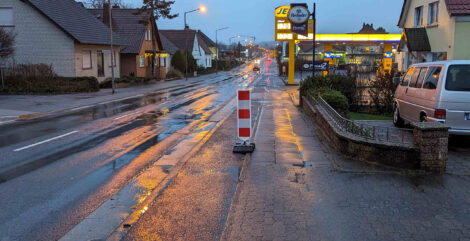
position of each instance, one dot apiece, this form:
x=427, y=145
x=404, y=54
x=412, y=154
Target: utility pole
x=112, y=47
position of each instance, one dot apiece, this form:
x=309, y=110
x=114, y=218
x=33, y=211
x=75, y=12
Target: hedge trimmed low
x=21, y=85
x=40, y=78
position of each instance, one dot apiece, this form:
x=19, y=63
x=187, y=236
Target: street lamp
x=217, y=50
x=202, y=9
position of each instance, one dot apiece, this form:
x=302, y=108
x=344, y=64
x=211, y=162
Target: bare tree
x=154, y=10
x=99, y=3
x=7, y=40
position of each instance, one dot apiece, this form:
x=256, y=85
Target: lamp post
x=217, y=50
x=112, y=48
x=186, y=27
x=202, y=9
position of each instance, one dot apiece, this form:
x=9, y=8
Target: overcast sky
x=256, y=17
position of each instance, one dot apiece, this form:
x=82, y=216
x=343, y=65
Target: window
x=422, y=75
x=148, y=35
x=458, y=78
x=414, y=77
x=433, y=13
x=419, y=16
x=163, y=62
x=86, y=60
x=432, y=78
x=6, y=17
x=407, y=78
x=141, y=61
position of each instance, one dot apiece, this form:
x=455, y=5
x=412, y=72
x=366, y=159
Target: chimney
x=106, y=17
x=186, y=27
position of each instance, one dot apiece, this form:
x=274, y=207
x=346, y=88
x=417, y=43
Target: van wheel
x=397, y=120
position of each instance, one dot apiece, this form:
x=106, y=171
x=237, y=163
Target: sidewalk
x=16, y=106
x=335, y=199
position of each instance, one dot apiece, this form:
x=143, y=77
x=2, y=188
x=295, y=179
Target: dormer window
x=419, y=16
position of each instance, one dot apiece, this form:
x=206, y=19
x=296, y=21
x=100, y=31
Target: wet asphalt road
x=61, y=168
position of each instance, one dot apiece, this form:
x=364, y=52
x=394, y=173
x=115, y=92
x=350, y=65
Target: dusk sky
x=256, y=17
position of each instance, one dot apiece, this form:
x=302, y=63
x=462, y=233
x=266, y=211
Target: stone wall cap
x=430, y=126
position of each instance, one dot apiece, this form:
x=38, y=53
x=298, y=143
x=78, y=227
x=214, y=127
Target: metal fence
x=366, y=131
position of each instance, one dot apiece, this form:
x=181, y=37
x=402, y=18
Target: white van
x=435, y=91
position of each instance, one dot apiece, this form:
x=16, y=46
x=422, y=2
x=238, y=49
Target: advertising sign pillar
x=291, y=69
x=328, y=51
x=387, y=61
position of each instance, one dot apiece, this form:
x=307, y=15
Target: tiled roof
x=168, y=46
x=206, y=39
x=76, y=21
x=416, y=40
x=203, y=44
x=182, y=39
x=130, y=25
x=458, y=7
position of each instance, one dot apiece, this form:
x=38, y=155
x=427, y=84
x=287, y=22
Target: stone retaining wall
x=419, y=156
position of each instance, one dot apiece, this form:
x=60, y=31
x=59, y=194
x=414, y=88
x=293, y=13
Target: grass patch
x=362, y=116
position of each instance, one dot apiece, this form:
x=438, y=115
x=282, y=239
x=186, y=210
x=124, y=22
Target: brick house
x=62, y=34
x=434, y=30
x=136, y=30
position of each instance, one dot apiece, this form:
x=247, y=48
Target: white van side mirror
x=396, y=80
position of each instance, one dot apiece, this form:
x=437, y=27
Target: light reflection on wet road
x=82, y=171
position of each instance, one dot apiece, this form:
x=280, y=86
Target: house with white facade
x=191, y=41
x=434, y=30
x=62, y=34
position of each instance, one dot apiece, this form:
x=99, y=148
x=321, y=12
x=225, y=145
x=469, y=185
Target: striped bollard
x=244, y=123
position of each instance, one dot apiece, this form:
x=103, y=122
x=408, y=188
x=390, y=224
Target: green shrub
x=334, y=98
x=174, y=73
x=178, y=61
x=131, y=80
x=346, y=85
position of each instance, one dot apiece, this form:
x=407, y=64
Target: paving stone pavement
x=279, y=200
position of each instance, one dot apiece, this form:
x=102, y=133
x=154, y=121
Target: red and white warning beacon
x=244, y=123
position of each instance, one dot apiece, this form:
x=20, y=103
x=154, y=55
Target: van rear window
x=458, y=78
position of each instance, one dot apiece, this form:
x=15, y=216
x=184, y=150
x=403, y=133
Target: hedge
x=40, y=78
x=19, y=85
x=334, y=98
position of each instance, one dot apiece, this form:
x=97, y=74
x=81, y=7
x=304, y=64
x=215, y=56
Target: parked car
x=435, y=91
